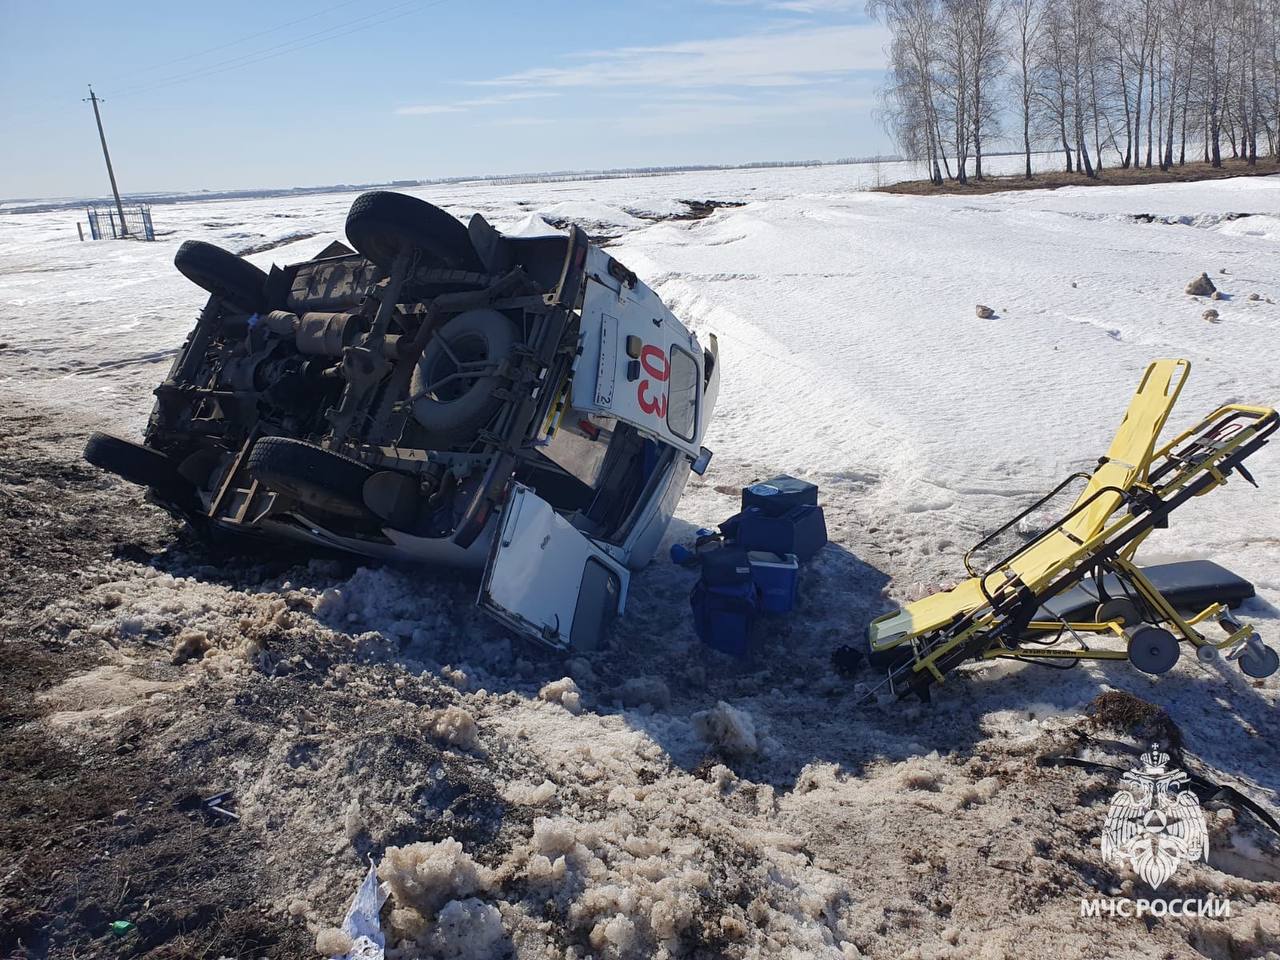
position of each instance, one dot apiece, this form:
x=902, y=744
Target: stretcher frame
x=1006, y=624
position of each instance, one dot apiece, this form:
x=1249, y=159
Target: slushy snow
x=657, y=799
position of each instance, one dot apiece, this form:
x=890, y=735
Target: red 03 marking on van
x=655, y=363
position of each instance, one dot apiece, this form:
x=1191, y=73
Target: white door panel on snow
x=546, y=580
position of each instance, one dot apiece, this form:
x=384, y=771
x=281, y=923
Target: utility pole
x=94, y=99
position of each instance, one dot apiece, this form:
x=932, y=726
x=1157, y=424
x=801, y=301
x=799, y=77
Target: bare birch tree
x=1176, y=76
x=1025, y=76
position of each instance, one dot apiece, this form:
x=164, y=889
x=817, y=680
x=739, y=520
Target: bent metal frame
x=998, y=612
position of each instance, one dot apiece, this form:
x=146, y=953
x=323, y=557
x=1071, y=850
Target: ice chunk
x=425, y=876
x=728, y=729
x=466, y=930
x=564, y=692
x=456, y=727
x=332, y=942
x=645, y=689
x=529, y=795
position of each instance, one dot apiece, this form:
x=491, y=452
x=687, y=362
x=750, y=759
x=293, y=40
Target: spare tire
x=134, y=462
x=319, y=478
x=381, y=225
x=455, y=409
x=233, y=280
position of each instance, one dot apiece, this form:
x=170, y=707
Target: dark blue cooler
x=776, y=578
x=724, y=601
x=724, y=616
x=775, y=497
x=725, y=567
x=802, y=530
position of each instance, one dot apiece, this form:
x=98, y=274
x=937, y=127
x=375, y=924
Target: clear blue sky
x=232, y=94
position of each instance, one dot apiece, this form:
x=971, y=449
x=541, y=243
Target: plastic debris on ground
x=361, y=926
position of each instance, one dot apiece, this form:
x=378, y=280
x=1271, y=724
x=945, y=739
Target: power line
x=231, y=43
x=366, y=22
x=288, y=46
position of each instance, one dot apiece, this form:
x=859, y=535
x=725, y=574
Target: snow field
x=641, y=800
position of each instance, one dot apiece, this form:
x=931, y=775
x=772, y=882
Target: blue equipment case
x=725, y=616
x=802, y=530
x=775, y=497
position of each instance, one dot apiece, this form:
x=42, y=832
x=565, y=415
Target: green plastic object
x=121, y=927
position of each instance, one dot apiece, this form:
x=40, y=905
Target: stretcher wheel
x=1153, y=649
x=1208, y=653
x=1118, y=608
x=1258, y=661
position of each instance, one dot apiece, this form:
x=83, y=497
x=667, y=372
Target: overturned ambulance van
x=441, y=393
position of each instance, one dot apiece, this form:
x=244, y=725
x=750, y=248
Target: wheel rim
x=1153, y=650
x=1208, y=653
x=454, y=371
x=1118, y=608
x=1259, y=664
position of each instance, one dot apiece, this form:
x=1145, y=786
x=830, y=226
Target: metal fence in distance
x=105, y=223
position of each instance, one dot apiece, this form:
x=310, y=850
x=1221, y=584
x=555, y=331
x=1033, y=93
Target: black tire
x=135, y=463
x=381, y=225
x=319, y=478
x=233, y=280
x=460, y=408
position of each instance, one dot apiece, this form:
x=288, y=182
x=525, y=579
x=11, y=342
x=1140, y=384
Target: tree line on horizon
x=1153, y=82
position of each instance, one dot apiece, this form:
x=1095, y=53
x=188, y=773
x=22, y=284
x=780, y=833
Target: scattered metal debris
x=219, y=802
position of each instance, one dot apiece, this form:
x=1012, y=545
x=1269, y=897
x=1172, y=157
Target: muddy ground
x=144, y=671
x=98, y=830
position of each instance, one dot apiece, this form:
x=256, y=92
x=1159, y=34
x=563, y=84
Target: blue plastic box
x=775, y=497
x=802, y=530
x=724, y=617
x=776, y=578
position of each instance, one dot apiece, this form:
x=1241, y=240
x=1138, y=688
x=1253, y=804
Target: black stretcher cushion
x=1190, y=585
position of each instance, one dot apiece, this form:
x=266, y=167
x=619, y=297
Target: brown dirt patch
x=93, y=830
x=1110, y=176
x=1121, y=711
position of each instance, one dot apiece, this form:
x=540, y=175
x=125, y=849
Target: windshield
x=682, y=394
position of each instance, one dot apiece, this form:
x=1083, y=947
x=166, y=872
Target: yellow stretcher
x=998, y=611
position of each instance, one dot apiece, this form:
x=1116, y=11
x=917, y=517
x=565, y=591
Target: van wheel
x=453, y=385
x=381, y=225
x=319, y=478
x=233, y=280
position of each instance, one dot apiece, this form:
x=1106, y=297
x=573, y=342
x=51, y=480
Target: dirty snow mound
x=423, y=877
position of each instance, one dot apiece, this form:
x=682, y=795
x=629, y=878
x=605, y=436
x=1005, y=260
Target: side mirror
x=699, y=465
